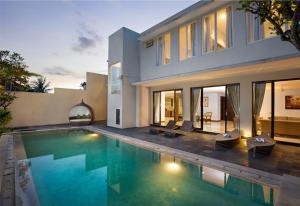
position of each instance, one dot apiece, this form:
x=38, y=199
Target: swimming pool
x=77, y=167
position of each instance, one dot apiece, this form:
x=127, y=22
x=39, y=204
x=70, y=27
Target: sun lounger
x=171, y=125
x=261, y=144
x=228, y=139
x=186, y=127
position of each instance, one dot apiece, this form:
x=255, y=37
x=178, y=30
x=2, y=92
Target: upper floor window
x=187, y=34
x=257, y=31
x=164, y=49
x=115, y=78
x=217, y=30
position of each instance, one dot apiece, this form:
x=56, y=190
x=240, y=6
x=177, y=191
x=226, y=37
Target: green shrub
x=5, y=118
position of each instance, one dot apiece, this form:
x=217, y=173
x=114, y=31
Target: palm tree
x=83, y=85
x=41, y=85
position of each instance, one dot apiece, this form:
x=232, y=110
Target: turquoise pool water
x=76, y=167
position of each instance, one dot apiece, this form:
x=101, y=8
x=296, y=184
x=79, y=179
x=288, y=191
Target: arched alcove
x=81, y=114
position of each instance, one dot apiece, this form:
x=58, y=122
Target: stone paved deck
x=285, y=159
x=7, y=171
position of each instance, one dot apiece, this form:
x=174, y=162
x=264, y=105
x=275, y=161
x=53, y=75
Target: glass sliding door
x=276, y=110
x=196, y=107
x=167, y=105
x=287, y=111
x=216, y=109
x=232, y=107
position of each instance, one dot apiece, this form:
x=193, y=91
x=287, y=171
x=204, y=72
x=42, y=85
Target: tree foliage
x=41, y=85
x=5, y=118
x=278, y=13
x=14, y=76
x=6, y=98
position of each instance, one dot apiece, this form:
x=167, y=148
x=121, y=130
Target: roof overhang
x=258, y=67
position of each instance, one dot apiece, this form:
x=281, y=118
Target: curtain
x=156, y=107
x=197, y=103
x=233, y=96
x=259, y=93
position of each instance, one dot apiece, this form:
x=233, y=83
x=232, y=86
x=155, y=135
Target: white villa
x=209, y=63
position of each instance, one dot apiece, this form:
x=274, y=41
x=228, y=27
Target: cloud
x=87, y=39
x=84, y=43
x=59, y=71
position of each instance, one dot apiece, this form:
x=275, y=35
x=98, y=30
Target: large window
x=164, y=49
x=217, y=30
x=257, y=31
x=187, y=34
x=115, y=78
x=167, y=105
x=276, y=110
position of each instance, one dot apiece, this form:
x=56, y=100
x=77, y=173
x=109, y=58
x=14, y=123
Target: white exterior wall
x=123, y=47
x=130, y=74
x=240, y=53
x=114, y=101
x=143, y=110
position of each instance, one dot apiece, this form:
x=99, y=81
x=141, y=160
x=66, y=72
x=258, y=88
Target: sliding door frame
x=254, y=133
x=153, y=103
x=201, y=89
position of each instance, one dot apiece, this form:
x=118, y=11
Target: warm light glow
x=244, y=142
x=223, y=16
x=173, y=167
x=246, y=133
x=92, y=136
x=167, y=48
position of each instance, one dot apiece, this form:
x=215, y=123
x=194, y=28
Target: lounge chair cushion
x=171, y=125
x=154, y=131
x=171, y=134
x=186, y=127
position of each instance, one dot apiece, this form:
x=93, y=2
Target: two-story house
x=209, y=63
